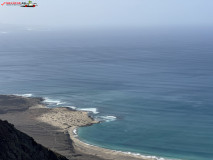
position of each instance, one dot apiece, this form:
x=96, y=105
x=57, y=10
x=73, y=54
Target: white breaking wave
x=106, y=118
x=93, y=110
x=75, y=131
x=146, y=156
x=72, y=107
x=52, y=101
x=24, y=95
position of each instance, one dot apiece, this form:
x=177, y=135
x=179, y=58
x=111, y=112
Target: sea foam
x=106, y=118
x=24, y=95
x=75, y=131
x=52, y=101
x=72, y=107
x=92, y=110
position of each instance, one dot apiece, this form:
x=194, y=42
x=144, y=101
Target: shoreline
x=60, y=117
x=88, y=148
x=108, y=152
x=37, y=119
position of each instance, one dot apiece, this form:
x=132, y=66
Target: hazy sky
x=111, y=13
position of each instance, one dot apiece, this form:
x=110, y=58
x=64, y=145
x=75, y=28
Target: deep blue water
x=158, y=85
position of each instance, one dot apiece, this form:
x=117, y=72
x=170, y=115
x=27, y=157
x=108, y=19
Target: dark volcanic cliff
x=15, y=145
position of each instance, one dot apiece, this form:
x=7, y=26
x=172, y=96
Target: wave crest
x=106, y=118
x=24, y=95
x=52, y=101
x=72, y=107
x=92, y=110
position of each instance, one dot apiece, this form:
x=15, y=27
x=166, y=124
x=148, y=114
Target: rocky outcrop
x=15, y=145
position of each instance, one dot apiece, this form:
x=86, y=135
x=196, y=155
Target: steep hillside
x=15, y=145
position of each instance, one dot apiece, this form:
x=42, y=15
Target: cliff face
x=15, y=145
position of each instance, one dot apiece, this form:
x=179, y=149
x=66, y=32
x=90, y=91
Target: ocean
x=152, y=89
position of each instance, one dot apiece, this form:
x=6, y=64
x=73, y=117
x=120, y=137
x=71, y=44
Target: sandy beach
x=55, y=128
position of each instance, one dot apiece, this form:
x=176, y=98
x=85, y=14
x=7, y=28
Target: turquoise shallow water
x=154, y=93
